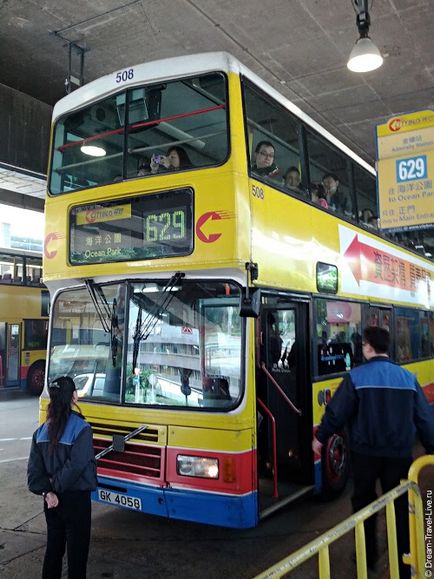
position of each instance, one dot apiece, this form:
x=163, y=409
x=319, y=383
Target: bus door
x=284, y=366
x=13, y=352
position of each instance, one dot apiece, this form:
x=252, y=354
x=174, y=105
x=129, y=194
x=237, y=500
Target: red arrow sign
x=378, y=266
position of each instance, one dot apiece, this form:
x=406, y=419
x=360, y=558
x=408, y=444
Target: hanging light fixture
x=365, y=56
x=92, y=148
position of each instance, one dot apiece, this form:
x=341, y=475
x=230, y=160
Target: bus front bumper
x=240, y=512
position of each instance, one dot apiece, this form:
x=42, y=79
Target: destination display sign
x=136, y=228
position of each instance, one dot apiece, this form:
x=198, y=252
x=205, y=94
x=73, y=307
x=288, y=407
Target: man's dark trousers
x=390, y=470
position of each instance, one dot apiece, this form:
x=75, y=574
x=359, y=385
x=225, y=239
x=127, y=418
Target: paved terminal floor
x=130, y=545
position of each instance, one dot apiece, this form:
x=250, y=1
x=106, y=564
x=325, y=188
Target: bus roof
x=184, y=66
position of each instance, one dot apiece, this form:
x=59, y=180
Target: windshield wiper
x=108, y=317
x=144, y=328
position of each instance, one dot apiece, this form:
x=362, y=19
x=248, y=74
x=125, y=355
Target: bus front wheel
x=35, y=378
x=335, y=465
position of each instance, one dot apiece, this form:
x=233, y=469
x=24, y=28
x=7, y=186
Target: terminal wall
x=24, y=130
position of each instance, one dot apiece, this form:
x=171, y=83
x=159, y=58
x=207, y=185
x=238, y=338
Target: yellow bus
x=212, y=263
x=24, y=304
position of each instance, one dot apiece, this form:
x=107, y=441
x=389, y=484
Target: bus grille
x=139, y=461
x=152, y=434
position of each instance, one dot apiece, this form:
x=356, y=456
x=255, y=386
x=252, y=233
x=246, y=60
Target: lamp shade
x=365, y=56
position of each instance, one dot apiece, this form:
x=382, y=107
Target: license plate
x=120, y=500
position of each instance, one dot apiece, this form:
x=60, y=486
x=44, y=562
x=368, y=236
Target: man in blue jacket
x=384, y=407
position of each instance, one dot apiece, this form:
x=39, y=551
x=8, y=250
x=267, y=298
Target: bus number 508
x=124, y=75
x=257, y=192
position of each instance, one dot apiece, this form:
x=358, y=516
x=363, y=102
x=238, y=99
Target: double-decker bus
x=206, y=305
x=24, y=305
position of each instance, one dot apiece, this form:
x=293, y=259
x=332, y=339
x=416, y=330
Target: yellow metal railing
x=417, y=555
x=320, y=546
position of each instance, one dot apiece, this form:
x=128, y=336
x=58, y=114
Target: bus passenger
x=384, y=407
x=373, y=222
x=62, y=469
x=403, y=351
x=336, y=200
x=275, y=342
x=176, y=158
x=318, y=195
x=144, y=167
x=264, y=160
x=292, y=180
x=369, y=218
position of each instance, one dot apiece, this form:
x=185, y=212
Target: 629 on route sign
x=411, y=168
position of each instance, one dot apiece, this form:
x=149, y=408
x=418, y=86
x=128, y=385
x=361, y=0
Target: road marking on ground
x=14, y=459
x=12, y=439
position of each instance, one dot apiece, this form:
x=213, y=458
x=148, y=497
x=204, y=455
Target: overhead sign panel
x=405, y=151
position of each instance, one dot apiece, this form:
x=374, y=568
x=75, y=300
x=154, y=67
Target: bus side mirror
x=250, y=303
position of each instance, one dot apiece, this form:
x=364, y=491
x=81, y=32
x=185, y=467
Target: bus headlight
x=197, y=466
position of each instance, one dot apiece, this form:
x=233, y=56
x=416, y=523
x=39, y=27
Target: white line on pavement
x=11, y=439
x=14, y=459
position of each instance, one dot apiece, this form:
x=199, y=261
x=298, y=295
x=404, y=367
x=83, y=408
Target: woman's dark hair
x=332, y=175
x=318, y=188
x=144, y=163
x=184, y=159
x=59, y=408
x=291, y=170
x=377, y=338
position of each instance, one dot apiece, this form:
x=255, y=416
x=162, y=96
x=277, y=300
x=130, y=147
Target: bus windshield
x=181, y=345
x=143, y=131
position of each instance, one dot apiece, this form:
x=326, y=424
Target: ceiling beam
x=22, y=201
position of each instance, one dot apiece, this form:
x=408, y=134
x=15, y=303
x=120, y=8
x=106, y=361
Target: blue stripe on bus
x=213, y=509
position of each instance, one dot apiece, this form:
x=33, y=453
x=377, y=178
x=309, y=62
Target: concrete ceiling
x=299, y=46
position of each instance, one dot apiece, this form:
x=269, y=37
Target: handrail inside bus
x=272, y=136
x=61, y=148
x=280, y=390
x=274, y=437
x=172, y=143
x=136, y=150
x=87, y=162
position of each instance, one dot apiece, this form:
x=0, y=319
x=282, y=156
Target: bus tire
x=335, y=463
x=36, y=378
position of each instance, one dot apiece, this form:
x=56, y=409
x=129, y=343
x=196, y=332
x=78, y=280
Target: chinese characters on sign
x=397, y=272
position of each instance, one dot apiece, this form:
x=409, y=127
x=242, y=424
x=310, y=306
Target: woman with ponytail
x=62, y=469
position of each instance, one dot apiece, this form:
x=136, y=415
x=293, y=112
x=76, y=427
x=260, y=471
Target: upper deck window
x=329, y=168
x=150, y=130
x=273, y=135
